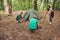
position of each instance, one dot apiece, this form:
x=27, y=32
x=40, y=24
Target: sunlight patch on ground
x=2, y=12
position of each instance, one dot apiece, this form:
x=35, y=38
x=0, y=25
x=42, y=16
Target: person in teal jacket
x=33, y=23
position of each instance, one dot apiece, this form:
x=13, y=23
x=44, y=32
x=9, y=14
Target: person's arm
x=45, y=14
x=38, y=24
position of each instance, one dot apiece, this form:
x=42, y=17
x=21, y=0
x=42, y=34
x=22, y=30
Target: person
x=10, y=11
x=33, y=23
x=50, y=12
x=19, y=17
x=51, y=16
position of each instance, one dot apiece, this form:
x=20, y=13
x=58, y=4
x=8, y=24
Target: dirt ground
x=11, y=30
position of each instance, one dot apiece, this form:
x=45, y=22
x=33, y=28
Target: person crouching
x=19, y=17
x=33, y=23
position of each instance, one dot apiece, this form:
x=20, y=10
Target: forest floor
x=11, y=30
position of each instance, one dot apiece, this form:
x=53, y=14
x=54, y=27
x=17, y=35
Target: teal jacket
x=33, y=23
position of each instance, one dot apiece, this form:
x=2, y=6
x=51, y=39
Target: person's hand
x=44, y=17
x=21, y=20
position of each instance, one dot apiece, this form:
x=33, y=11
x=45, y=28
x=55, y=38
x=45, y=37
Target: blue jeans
x=50, y=18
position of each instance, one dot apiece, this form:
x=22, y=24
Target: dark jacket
x=52, y=14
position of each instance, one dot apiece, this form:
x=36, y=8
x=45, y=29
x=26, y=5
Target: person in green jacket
x=33, y=23
x=19, y=17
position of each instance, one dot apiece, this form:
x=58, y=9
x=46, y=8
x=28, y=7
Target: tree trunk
x=29, y=4
x=0, y=16
x=35, y=5
x=53, y=6
x=6, y=6
x=9, y=2
x=24, y=5
x=46, y=3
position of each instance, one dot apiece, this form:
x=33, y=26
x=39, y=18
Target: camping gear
x=29, y=14
x=52, y=14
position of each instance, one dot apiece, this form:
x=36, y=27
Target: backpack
x=52, y=13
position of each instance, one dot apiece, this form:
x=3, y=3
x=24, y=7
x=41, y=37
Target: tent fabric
x=30, y=13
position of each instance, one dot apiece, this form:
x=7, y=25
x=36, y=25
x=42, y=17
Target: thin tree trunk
x=46, y=3
x=24, y=4
x=9, y=2
x=35, y=5
x=29, y=4
x=0, y=16
x=53, y=4
x=6, y=6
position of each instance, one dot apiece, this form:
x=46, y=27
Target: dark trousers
x=50, y=18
